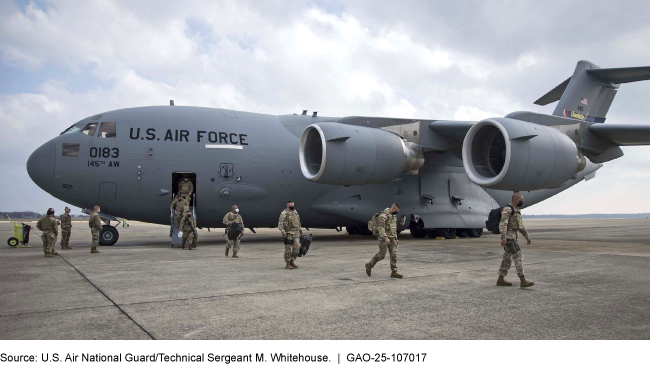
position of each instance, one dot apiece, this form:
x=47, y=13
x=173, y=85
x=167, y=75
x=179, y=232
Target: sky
x=61, y=61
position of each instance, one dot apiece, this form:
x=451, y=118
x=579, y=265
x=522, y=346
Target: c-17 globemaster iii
x=446, y=175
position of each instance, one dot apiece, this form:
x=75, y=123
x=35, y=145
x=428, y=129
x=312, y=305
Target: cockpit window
x=72, y=129
x=107, y=130
x=89, y=129
x=70, y=150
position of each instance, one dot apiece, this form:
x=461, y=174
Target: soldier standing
x=66, y=227
x=95, y=223
x=510, y=226
x=230, y=218
x=186, y=188
x=48, y=225
x=188, y=227
x=289, y=226
x=387, y=228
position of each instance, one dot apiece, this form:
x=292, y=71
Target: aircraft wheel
x=365, y=231
x=474, y=232
x=431, y=233
x=358, y=230
x=461, y=232
x=350, y=230
x=12, y=241
x=447, y=233
x=108, y=236
x=418, y=233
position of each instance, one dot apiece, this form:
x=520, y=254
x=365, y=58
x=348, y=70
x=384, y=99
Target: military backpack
x=492, y=224
x=373, y=224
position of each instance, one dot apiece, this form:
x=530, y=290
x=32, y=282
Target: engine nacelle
x=508, y=154
x=343, y=154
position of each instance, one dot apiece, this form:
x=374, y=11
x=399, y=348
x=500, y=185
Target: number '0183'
x=105, y=152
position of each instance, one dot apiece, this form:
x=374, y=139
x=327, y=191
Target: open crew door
x=178, y=179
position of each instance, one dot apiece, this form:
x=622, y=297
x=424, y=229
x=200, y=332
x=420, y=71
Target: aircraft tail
x=588, y=94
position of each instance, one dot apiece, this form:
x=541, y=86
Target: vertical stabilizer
x=589, y=92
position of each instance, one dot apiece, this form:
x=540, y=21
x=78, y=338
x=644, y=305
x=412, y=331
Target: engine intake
x=343, y=154
x=508, y=154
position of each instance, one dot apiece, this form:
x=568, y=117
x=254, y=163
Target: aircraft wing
x=623, y=134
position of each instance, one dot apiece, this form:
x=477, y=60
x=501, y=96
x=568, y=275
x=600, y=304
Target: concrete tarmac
x=591, y=282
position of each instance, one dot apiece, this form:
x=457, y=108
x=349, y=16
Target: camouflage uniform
x=181, y=207
x=228, y=220
x=188, y=226
x=186, y=188
x=510, y=229
x=66, y=226
x=289, y=224
x=387, y=228
x=96, y=224
x=50, y=230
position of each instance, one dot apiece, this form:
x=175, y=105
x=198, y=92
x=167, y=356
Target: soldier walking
x=66, y=227
x=96, y=224
x=188, y=227
x=48, y=225
x=186, y=188
x=229, y=219
x=510, y=226
x=289, y=226
x=179, y=206
x=387, y=228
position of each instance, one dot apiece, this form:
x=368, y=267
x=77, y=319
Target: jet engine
x=508, y=154
x=343, y=154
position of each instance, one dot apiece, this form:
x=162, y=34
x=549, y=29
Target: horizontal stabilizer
x=621, y=75
x=623, y=134
x=553, y=95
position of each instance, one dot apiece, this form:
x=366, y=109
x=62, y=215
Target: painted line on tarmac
x=109, y=298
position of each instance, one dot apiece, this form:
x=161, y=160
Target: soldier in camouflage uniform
x=180, y=206
x=186, y=188
x=48, y=225
x=510, y=226
x=96, y=224
x=387, y=228
x=188, y=227
x=230, y=218
x=289, y=226
x=66, y=226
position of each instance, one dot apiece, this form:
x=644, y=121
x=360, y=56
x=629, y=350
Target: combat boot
x=293, y=264
x=234, y=255
x=183, y=246
x=525, y=283
x=49, y=255
x=227, y=250
x=368, y=269
x=55, y=253
x=502, y=282
x=395, y=275
x=288, y=267
x=94, y=250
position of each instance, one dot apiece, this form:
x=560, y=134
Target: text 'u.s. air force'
x=182, y=135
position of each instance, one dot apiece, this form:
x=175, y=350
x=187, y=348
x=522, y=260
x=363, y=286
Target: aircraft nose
x=40, y=165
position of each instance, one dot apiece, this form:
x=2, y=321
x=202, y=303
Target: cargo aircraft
x=447, y=175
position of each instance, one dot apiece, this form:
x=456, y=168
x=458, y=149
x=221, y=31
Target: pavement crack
x=109, y=298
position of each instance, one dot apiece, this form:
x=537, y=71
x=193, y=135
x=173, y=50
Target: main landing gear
x=418, y=231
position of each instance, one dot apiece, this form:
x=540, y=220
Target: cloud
x=436, y=60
